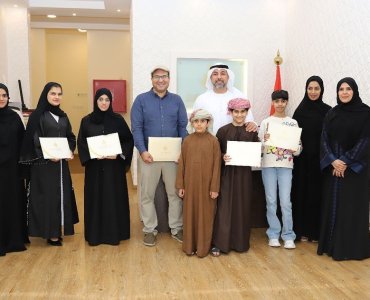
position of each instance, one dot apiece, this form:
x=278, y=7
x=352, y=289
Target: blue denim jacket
x=157, y=117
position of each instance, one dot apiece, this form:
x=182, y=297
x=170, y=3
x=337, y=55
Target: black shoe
x=54, y=243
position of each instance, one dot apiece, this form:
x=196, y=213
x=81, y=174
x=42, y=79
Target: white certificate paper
x=104, y=145
x=55, y=148
x=164, y=148
x=244, y=153
x=283, y=136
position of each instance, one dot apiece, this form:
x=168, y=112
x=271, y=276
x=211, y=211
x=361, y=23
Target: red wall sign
x=118, y=90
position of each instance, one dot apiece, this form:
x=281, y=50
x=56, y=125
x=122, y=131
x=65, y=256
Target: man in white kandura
x=220, y=90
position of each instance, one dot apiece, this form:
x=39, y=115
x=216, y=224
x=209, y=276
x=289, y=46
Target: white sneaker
x=274, y=243
x=289, y=244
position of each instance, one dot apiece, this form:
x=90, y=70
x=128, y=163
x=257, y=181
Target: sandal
x=215, y=252
x=304, y=239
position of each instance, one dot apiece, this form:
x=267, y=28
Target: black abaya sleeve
x=83, y=149
x=127, y=143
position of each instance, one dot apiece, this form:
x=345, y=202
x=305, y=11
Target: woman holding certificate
x=13, y=230
x=307, y=177
x=47, y=146
x=344, y=162
x=105, y=146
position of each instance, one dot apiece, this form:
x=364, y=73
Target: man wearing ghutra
x=220, y=90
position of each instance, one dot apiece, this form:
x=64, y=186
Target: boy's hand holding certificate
x=55, y=148
x=104, y=145
x=244, y=153
x=164, y=148
x=283, y=136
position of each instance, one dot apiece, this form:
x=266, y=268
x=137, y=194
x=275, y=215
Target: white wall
x=326, y=38
x=14, y=58
x=3, y=50
x=253, y=29
x=330, y=39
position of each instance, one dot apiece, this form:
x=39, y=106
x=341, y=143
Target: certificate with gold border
x=55, y=148
x=164, y=148
x=104, y=145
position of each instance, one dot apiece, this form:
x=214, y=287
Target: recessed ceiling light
x=51, y=16
x=82, y=30
x=15, y=5
x=74, y=14
x=118, y=10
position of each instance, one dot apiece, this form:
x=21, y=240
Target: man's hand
x=146, y=157
x=213, y=195
x=181, y=193
x=251, y=127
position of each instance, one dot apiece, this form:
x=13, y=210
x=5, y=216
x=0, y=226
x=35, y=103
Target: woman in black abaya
x=107, y=213
x=344, y=161
x=307, y=177
x=13, y=230
x=52, y=204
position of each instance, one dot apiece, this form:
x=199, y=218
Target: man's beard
x=219, y=84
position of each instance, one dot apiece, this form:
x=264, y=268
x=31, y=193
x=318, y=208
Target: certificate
x=164, y=148
x=283, y=136
x=244, y=153
x=104, y=145
x=55, y=148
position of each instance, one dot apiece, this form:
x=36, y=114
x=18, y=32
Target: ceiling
x=89, y=14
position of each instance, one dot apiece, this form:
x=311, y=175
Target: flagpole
x=278, y=60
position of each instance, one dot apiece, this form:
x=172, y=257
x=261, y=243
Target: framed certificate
x=55, y=148
x=244, y=153
x=283, y=136
x=104, y=145
x=164, y=148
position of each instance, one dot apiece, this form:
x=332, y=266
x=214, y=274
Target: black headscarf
x=98, y=116
x=28, y=152
x=310, y=116
x=5, y=112
x=6, y=117
x=4, y=87
x=348, y=122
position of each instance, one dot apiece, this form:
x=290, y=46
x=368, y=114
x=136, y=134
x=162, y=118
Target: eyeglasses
x=158, y=77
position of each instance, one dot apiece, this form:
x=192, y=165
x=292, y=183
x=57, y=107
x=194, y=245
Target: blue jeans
x=272, y=177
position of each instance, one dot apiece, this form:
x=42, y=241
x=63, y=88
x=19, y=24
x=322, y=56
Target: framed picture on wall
x=118, y=90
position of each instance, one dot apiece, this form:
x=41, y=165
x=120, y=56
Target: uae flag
x=277, y=86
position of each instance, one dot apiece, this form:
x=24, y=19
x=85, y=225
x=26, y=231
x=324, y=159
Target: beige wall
x=74, y=59
x=109, y=57
x=37, y=64
x=66, y=56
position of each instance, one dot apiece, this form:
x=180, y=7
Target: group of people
x=322, y=187
x=50, y=209
x=314, y=184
